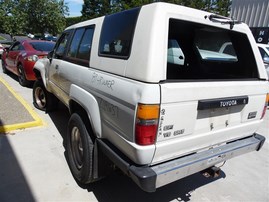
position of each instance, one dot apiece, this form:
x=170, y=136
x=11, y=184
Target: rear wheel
x=79, y=150
x=4, y=67
x=21, y=76
x=42, y=99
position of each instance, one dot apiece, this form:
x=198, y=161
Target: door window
x=80, y=47
x=17, y=46
x=61, y=46
x=85, y=45
x=72, y=52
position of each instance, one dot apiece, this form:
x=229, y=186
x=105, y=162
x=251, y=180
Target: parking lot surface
x=34, y=168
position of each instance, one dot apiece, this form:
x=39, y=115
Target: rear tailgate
x=216, y=94
x=200, y=115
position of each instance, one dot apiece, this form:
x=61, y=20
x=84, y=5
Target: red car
x=21, y=56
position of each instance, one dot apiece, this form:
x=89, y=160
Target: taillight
x=32, y=58
x=265, y=106
x=146, y=127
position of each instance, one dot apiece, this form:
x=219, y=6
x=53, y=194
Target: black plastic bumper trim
x=143, y=176
x=262, y=140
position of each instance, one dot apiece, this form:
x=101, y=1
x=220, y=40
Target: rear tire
x=21, y=76
x=4, y=67
x=42, y=99
x=79, y=147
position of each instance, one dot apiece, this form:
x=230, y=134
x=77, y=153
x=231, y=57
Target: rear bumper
x=28, y=68
x=149, y=178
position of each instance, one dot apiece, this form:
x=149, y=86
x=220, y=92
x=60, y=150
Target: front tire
x=42, y=99
x=79, y=147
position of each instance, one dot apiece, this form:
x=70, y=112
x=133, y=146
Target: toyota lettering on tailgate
x=222, y=102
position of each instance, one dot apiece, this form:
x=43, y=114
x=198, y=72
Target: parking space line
x=37, y=120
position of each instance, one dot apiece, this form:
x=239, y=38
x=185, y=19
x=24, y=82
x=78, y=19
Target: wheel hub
x=76, y=147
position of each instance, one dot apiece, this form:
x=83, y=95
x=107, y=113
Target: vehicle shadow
x=14, y=185
x=15, y=77
x=119, y=187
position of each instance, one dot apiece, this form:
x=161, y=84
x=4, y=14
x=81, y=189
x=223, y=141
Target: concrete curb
x=37, y=121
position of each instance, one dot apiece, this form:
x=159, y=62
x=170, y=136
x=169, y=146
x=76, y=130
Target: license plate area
x=219, y=118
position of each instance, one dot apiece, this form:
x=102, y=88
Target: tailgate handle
x=222, y=102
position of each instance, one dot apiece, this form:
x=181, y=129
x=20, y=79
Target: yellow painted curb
x=37, y=120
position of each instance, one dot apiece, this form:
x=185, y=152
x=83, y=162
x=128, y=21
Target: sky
x=75, y=7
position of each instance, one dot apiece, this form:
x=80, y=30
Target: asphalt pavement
x=33, y=165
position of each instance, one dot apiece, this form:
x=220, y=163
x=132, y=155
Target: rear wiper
x=222, y=20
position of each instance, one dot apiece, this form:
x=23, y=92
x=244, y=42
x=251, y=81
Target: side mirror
x=6, y=49
x=50, y=54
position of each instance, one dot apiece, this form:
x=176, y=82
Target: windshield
x=43, y=46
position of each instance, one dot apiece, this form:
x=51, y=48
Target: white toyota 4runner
x=152, y=91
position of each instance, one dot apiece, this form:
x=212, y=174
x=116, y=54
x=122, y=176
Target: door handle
x=56, y=67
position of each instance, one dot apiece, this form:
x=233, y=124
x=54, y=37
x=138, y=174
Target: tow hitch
x=211, y=172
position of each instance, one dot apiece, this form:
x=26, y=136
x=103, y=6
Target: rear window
x=43, y=46
x=196, y=51
x=117, y=34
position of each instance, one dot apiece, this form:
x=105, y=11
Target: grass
x=2, y=38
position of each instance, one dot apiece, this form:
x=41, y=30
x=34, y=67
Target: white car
x=31, y=36
x=264, y=50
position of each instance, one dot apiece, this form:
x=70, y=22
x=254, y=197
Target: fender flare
x=40, y=72
x=90, y=105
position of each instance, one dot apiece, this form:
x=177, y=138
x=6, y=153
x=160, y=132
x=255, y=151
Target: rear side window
x=197, y=51
x=117, y=34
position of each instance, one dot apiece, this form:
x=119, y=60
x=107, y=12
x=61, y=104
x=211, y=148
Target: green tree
x=46, y=16
x=12, y=20
x=223, y=7
x=35, y=16
x=72, y=20
x=95, y=8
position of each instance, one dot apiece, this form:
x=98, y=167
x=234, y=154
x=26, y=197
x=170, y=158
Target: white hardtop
x=148, y=58
x=86, y=23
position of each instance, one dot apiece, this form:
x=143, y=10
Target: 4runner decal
x=100, y=80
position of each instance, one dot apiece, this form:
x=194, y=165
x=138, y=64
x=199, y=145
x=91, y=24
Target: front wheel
x=79, y=147
x=42, y=99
